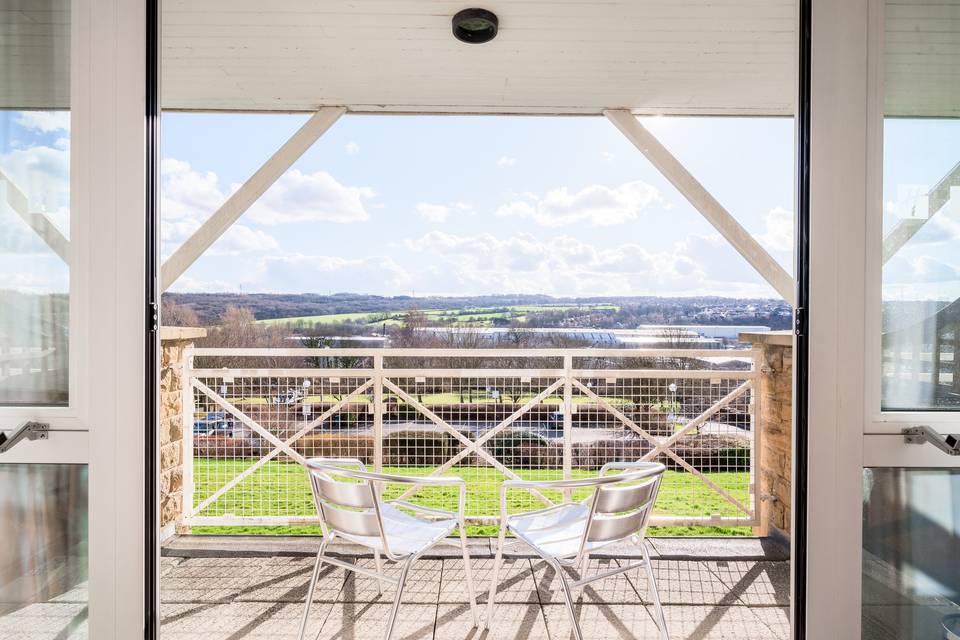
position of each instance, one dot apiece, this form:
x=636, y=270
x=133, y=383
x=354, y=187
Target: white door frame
x=847, y=430
x=110, y=107
x=838, y=207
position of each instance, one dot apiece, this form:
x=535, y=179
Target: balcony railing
x=252, y=416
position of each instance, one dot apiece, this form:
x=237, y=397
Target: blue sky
x=472, y=205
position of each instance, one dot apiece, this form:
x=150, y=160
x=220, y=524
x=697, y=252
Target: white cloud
x=42, y=174
x=778, y=235
x=310, y=197
x=187, y=199
x=903, y=270
x=433, y=212
x=608, y=156
x=297, y=273
x=186, y=193
x=44, y=121
x=596, y=204
x=352, y=148
x=239, y=238
x=506, y=161
x=524, y=263
x=441, y=212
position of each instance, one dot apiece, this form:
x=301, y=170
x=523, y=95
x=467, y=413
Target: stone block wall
x=776, y=424
x=173, y=340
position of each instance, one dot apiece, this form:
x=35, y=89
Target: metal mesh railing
x=485, y=415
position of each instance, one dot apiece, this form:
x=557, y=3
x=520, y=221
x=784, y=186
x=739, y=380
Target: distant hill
x=539, y=310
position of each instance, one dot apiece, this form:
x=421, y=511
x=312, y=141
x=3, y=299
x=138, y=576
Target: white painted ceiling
x=557, y=56
x=717, y=57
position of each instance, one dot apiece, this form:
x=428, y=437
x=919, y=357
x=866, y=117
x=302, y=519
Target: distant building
x=646, y=336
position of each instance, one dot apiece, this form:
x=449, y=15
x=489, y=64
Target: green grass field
x=281, y=488
x=478, y=316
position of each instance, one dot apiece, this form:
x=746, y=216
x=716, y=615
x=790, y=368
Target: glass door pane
x=34, y=202
x=43, y=498
x=911, y=547
x=921, y=206
x=43, y=560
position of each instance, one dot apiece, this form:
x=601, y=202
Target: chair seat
x=556, y=532
x=406, y=534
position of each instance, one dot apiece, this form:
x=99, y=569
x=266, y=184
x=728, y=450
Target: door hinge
x=153, y=317
x=800, y=321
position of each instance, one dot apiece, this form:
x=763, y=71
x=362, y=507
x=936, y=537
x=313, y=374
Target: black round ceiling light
x=475, y=26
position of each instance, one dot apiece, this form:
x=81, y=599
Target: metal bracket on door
x=948, y=443
x=29, y=430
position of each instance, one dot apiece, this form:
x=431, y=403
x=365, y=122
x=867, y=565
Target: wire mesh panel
x=700, y=428
x=483, y=416
x=251, y=433
x=485, y=429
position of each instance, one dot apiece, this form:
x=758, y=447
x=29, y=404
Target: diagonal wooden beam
x=240, y=477
x=658, y=450
x=708, y=206
x=39, y=222
x=437, y=420
x=474, y=447
x=939, y=198
x=230, y=408
x=237, y=204
x=722, y=403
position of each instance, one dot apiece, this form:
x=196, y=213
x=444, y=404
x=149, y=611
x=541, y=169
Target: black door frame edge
x=801, y=326
x=151, y=625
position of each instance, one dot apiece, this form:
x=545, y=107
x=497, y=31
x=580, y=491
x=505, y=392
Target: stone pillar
x=776, y=424
x=173, y=340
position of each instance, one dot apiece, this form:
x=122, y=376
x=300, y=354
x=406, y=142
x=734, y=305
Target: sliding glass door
x=71, y=294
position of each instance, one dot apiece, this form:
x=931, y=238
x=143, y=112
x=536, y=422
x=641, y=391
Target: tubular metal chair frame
x=355, y=470
x=633, y=472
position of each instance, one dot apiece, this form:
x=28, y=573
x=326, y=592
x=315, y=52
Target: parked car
x=214, y=423
x=292, y=396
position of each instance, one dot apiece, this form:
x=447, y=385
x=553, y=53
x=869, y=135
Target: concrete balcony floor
x=253, y=587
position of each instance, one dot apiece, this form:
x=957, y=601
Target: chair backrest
x=347, y=506
x=622, y=508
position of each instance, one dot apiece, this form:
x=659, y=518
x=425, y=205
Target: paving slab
x=515, y=585
x=509, y=622
x=261, y=598
x=251, y=546
x=717, y=548
x=601, y=622
x=46, y=621
x=683, y=582
x=614, y=589
x=363, y=621
x=238, y=620
x=422, y=586
x=755, y=583
x=715, y=623
x=724, y=548
x=291, y=585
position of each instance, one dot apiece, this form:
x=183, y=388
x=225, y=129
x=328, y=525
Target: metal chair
x=565, y=535
x=352, y=509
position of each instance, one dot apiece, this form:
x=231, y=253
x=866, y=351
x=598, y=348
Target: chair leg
x=471, y=593
x=497, y=561
x=311, y=588
x=568, y=598
x=379, y=563
x=396, y=598
x=654, y=593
